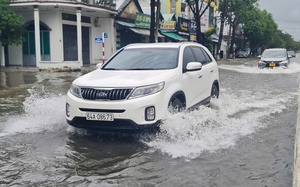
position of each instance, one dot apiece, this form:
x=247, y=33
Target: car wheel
x=176, y=105
x=214, y=91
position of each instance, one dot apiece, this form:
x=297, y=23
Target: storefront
x=132, y=25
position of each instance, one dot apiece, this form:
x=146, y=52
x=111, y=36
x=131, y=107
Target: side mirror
x=194, y=66
x=99, y=65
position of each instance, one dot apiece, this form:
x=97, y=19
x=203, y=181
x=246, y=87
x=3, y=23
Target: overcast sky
x=286, y=14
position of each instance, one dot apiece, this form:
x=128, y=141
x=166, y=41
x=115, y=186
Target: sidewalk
x=35, y=69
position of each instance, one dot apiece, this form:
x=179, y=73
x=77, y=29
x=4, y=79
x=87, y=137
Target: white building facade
x=68, y=34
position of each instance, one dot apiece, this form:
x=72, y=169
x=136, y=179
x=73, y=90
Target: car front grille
x=101, y=94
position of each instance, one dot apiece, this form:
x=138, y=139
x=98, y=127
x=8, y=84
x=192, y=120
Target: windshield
x=274, y=54
x=144, y=59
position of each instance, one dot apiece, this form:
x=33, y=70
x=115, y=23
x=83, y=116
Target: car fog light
x=150, y=113
x=68, y=109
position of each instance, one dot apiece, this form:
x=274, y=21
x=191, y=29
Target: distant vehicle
x=140, y=83
x=274, y=57
x=292, y=53
x=241, y=54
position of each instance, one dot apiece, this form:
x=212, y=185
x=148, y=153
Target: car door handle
x=200, y=77
x=212, y=71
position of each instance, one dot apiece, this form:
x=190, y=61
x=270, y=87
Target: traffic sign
x=105, y=35
x=98, y=40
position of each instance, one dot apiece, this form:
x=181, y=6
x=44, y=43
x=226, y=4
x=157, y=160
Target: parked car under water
x=241, y=54
x=292, y=53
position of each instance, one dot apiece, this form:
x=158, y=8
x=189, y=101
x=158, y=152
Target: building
x=67, y=33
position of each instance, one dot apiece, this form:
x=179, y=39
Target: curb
x=296, y=171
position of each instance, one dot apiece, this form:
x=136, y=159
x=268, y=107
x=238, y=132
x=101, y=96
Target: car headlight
x=283, y=62
x=147, y=90
x=75, y=90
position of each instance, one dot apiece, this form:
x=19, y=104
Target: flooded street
x=246, y=138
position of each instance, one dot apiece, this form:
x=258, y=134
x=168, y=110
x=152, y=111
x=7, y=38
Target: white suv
x=136, y=87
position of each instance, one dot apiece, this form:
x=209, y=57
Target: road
x=246, y=138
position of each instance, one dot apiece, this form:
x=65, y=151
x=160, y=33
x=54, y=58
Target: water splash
x=42, y=112
x=252, y=68
x=209, y=129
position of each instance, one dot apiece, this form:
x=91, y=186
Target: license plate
x=272, y=64
x=99, y=116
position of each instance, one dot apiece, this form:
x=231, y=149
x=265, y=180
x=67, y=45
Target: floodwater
x=246, y=138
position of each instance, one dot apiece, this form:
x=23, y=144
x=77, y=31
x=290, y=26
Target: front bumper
x=271, y=64
x=117, y=125
x=128, y=114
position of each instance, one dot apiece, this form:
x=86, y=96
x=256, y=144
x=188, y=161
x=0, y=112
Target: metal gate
x=70, y=43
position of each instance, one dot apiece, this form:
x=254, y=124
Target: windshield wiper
x=142, y=69
x=110, y=69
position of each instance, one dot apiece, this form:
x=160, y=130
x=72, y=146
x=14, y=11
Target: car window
x=274, y=54
x=200, y=57
x=208, y=59
x=144, y=59
x=187, y=57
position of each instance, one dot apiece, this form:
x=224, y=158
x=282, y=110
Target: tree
x=12, y=25
x=196, y=6
x=260, y=29
x=234, y=16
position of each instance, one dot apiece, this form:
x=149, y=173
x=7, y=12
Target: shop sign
x=168, y=25
x=192, y=29
x=142, y=20
x=183, y=26
x=204, y=18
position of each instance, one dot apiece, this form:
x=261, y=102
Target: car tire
x=176, y=105
x=214, y=91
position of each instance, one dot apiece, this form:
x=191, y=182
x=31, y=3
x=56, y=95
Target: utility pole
x=157, y=20
x=152, y=22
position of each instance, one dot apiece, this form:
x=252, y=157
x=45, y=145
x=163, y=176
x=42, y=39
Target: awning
x=174, y=36
x=145, y=32
x=126, y=24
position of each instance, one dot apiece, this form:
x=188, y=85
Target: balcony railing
x=103, y=3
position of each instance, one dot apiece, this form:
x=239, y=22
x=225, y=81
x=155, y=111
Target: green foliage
x=259, y=27
x=209, y=42
x=11, y=25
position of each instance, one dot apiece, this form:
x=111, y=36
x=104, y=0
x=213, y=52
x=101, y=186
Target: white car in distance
x=138, y=85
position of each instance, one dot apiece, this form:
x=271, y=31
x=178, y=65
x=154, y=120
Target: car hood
x=118, y=78
x=273, y=59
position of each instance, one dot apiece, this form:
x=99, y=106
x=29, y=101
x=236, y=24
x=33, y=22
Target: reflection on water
x=16, y=79
x=15, y=87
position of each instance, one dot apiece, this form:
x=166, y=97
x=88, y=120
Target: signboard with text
x=168, y=25
x=183, y=26
x=98, y=40
x=142, y=20
x=204, y=18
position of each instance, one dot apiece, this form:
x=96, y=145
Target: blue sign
x=105, y=35
x=98, y=40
